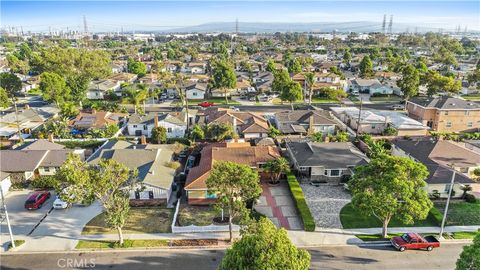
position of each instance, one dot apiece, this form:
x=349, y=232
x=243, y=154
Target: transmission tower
x=465, y=30
x=236, y=26
x=85, y=26
x=390, y=24
x=384, y=23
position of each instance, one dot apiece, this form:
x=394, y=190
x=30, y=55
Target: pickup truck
x=414, y=241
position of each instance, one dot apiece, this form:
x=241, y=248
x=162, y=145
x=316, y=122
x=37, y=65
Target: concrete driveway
x=58, y=230
x=23, y=221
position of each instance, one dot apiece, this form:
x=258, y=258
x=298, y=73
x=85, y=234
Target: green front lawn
x=139, y=220
x=17, y=244
x=376, y=237
x=126, y=244
x=472, y=97
x=324, y=100
x=464, y=235
x=216, y=101
x=389, y=98
x=461, y=213
x=354, y=219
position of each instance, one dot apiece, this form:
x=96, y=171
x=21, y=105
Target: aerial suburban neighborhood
x=239, y=145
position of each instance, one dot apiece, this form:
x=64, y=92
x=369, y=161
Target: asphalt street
x=327, y=257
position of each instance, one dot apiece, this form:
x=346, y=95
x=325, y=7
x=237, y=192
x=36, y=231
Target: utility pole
x=359, y=118
x=390, y=25
x=452, y=182
x=4, y=206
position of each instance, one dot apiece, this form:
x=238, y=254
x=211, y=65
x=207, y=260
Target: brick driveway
x=325, y=203
x=277, y=204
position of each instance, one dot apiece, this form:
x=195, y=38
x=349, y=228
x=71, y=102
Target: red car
x=206, y=104
x=36, y=199
x=414, y=241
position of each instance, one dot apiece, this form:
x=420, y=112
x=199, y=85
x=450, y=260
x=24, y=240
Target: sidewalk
x=321, y=237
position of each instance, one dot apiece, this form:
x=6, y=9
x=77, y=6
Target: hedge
x=437, y=215
x=184, y=141
x=308, y=220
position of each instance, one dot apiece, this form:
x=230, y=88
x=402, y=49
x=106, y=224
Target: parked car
x=397, y=107
x=59, y=204
x=206, y=104
x=37, y=199
x=414, y=241
x=233, y=108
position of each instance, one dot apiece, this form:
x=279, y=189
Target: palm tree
x=465, y=189
x=310, y=80
x=276, y=168
x=135, y=97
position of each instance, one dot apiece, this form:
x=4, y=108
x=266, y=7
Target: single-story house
x=139, y=125
x=99, y=89
x=301, y=121
x=375, y=122
x=96, y=119
x=248, y=124
x=441, y=158
x=370, y=86
x=196, y=90
x=242, y=153
x=328, y=163
x=155, y=178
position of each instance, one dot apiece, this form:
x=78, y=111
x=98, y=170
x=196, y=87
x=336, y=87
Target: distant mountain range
x=251, y=27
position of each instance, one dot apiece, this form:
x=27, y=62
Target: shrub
x=390, y=131
x=46, y=181
x=307, y=218
x=470, y=198
x=184, y=141
x=436, y=215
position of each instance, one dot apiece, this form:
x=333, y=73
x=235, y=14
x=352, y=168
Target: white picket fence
x=198, y=229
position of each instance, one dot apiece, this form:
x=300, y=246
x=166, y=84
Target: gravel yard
x=325, y=203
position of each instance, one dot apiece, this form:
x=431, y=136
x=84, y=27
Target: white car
x=59, y=204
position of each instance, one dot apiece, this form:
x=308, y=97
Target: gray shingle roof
x=329, y=155
x=446, y=103
x=149, y=119
x=296, y=121
x=421, y=151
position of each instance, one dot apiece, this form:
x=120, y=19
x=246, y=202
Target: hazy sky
x=158, y=15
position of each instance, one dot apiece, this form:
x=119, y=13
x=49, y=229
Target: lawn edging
x=301, y=203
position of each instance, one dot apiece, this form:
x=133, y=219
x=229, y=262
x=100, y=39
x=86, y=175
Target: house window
x=169, y=130
x=194, y=94
x=469, y=124
x=448, y=124
x=446, y=113
x=334, y=172
x=447, y=188
x=303, y=168
x=210, y=195
x=46, y=169
x=144, y=127
x=467, y=112
x=134, y=126
x=325, y=172
x=373, y=126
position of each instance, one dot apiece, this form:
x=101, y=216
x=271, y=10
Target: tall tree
x=391, y=186
x=280, y=79
x=295, y=66
x=270, y=65
x=54, y=88
x=197, y=133
x=347, y=57
x=12, y=86
x=276, y=168
x=263, y=246
x=409, y=82
x=233, y=184
x=111, y=183
x=310, y=81
x=159, y=135
x=74, y=184
x=366, y=67
x=220, y=132
x=291, y=93
x=135, y=97
x=137, y=67
x=223, y=76
x=4, y=100
x=470, y=256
